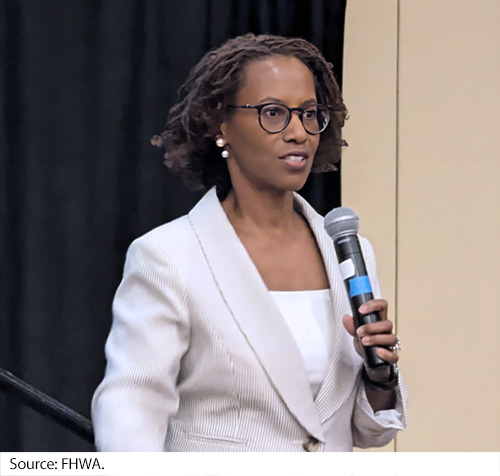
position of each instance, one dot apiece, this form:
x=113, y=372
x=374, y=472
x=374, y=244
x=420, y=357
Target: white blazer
x=199, y=357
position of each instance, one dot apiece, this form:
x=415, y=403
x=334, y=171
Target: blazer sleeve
x=369, y=428
x=132, y=406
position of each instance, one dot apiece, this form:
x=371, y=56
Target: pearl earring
x=220, y=142
x=225, y=153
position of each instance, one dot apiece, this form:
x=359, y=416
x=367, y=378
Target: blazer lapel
x=344, y=361
x=255, y=312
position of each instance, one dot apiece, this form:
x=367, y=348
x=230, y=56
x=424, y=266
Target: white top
x=309, y=315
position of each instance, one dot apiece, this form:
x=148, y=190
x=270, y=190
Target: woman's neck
x=258, y=211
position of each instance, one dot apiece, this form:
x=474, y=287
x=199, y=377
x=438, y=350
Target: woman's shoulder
x=171, y=238
x=171, y=233
x=176, y=238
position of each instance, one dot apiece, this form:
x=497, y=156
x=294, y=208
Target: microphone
x=342, y=226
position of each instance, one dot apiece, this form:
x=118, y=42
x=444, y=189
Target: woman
x=230, y=328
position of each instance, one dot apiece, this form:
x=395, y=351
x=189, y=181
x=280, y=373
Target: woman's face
x=258, y=159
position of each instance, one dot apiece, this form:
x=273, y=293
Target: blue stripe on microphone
x=359, y=285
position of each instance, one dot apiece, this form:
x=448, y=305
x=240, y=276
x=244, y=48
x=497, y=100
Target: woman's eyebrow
x=271, y=99
x=309, y=102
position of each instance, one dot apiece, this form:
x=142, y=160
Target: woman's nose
x=295, y=129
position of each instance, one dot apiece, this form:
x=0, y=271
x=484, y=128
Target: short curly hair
x=212, y=85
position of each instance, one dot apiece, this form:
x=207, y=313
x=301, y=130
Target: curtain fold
x=84, y=85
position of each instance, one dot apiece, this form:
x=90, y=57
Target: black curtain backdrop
x=84, y=85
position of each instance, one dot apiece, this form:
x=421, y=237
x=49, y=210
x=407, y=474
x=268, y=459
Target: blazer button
x=311, y=444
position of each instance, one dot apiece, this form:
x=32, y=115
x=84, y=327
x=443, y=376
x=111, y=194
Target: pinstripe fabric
x=200, y=359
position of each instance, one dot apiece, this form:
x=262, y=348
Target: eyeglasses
x=274, y=118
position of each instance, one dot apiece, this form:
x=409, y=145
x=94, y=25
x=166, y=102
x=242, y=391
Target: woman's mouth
x=295, y=159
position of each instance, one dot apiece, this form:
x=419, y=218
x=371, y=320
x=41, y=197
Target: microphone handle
x=369, y=352
x=359, y=290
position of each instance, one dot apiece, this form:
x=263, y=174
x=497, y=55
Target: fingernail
x=360, y=332
x=363, y=308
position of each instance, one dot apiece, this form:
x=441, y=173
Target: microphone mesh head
x=341, y=221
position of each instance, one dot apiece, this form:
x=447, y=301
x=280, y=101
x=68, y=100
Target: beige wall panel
x=369, y=163
x=449, y=222
x=423, y=173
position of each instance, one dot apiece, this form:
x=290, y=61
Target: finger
x=380, y=327
x=387, y=340
x=387, y=355
x=375, y=305
x=348, y=322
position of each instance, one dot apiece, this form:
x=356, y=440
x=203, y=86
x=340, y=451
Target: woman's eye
x=273, y=112
x=310, y=114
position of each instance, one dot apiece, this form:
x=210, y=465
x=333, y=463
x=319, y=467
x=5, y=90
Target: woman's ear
x=223, y=130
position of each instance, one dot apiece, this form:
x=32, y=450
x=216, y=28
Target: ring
x=397, y=348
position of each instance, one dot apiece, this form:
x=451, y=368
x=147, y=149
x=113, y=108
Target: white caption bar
x=250, y=464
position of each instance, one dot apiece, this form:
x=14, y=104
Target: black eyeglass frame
x=300, y=110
